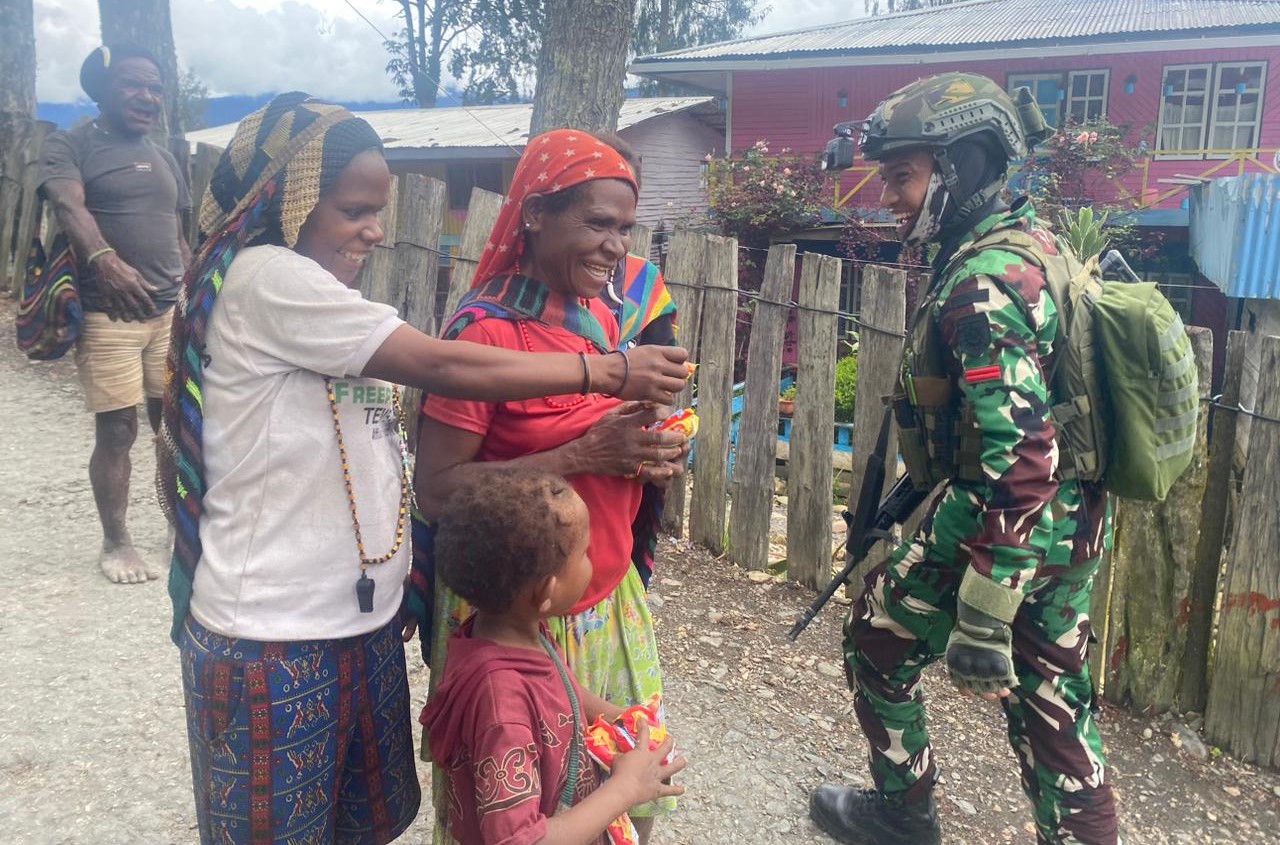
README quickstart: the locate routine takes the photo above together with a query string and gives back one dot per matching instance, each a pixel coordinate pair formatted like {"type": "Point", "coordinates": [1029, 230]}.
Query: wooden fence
{"type": "Point", "coordinates": [1182, 624]}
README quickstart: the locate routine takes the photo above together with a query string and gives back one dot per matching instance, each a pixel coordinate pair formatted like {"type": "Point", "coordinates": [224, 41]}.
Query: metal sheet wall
{"type": "Point", "coordinates": [1235, 234]}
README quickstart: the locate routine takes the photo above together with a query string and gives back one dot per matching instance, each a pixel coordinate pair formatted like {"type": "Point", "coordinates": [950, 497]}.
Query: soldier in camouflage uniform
{"type": "Point", "coordinates": [998, 577]}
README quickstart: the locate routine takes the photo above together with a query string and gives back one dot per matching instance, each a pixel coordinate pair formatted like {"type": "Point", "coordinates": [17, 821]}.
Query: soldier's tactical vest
{"type": "Point", "coordinates": [1122, 381]}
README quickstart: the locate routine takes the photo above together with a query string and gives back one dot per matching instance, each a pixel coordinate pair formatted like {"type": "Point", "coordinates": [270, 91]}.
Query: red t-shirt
{"type": "Point", "coordinates": [516, 429]}
{"type": "Point", "coordinates": [501, 726]}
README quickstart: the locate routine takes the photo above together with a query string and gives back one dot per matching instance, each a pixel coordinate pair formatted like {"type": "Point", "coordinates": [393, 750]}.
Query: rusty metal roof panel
{"type": "Point", "coordinates": [976, 23]}
{"type": "Point", "coordinates": [1235, 234]}
{"type": "Point", "coordinates": [497, 127]}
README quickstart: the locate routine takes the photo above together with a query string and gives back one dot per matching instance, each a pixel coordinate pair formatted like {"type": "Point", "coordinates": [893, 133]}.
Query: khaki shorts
{"type": "Point", "coordinates": [121, 363]}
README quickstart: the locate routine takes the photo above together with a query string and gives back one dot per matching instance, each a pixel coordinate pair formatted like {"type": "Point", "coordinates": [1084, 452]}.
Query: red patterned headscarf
{"type": "Point", "coordinates": [552, 162]}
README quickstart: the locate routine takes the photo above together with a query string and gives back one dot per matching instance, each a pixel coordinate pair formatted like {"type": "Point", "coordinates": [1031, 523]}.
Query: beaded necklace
{"type": "Point", "coordinates": [556, 403]}
{"type": "Point", "coordinates": [365, 584]}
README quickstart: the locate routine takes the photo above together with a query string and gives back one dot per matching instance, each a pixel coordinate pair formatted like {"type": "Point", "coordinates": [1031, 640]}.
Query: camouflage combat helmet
{"type": "Point", "coordinates": [940, 110]}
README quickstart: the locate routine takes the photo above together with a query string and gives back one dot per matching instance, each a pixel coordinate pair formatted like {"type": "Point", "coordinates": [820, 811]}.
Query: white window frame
{"type": "Point", "coordinates": [1105, 97]}
{"type": "Point", "coordinates": [1217, 89]}
{"type": "Point", "coordinates": [1016, 80]}
{"type": "Point", "coordinates": [1204, 121]}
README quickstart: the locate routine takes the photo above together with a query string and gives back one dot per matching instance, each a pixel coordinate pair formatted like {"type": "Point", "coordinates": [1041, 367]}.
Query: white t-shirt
{"type": "Point", "coordinates": [280, 560]}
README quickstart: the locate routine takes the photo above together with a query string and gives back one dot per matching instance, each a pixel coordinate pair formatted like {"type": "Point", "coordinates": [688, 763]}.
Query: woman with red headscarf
{"type": "Point", "coordinates": [564, 228]}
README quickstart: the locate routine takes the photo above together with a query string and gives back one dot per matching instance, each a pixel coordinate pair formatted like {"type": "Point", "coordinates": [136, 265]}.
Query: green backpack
{"type": "Point", "coordinates": [1124, 375]}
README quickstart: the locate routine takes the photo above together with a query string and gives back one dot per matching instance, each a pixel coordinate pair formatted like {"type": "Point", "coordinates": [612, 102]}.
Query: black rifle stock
{"type": "Point", "coordinates": [868, 523]}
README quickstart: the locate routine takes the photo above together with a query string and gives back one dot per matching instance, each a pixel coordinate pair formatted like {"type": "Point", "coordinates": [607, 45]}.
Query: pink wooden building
{"type": "Point", "coordinates": [1194, 79]}
{"type": "Point", "coordinates": [1197, 81]}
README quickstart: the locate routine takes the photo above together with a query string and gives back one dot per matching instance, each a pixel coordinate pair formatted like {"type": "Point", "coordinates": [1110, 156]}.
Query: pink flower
{"type": "Point", "coordinates": [1082, 138]}
{"type": "Point", "coordinates": [746, 168]}
{"type": "Point", "coordinates": [786, 171]}
{"type": "Point", "coordinates": [707, 157]}
{"type": "Point", "coordinates": [1093, 137]}
{"type": "Point", "coordinates": [764, 149]}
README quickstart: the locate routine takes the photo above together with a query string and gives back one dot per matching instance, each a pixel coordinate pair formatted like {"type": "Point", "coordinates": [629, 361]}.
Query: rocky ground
{"type": "Point", "coordinates": [93, 748]}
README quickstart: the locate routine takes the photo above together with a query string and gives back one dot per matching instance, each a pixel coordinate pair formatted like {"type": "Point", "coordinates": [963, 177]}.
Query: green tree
{"type": "Point", "coordinates": [493, 46]}
{"type": "Point", "coordinates": [888, 7]}
{"type": "Point", "coordinates": [665, 25]}
{"type": "Point", "coordinates": [193, 100]}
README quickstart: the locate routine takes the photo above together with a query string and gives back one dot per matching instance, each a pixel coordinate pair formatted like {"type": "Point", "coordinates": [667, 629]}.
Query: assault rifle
{"type": "Point", "coordinates": [868, 523]}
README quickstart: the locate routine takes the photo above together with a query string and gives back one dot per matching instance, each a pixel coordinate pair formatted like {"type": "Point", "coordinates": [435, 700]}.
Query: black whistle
{"type": "Point", "coordinates": [364, 593]}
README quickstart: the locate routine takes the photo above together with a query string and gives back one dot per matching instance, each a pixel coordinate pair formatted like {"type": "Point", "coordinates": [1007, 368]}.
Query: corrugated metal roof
{"type": "Point", "coordinates": [1235, 234]}
{"type": "Point", "coordinates": [497, 127]}
{"type": "Point", "coordinates": [987, 22]}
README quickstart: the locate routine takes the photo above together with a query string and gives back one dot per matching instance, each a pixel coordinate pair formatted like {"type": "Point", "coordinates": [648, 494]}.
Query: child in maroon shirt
{"type": "Point", "coordinates": [507, 720]}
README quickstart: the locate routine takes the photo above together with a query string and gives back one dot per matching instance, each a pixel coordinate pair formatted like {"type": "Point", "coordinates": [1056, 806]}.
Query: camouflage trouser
{"type": "Point", "coordinates": [901, 624]}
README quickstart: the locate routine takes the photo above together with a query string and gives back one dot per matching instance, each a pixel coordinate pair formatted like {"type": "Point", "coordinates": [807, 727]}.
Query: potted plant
{"type": "Point", "coordinates": [787, 402]}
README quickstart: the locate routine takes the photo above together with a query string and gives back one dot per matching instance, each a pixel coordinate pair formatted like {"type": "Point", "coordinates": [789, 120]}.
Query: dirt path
{"type": "Point", "coordinates": [94, 745]}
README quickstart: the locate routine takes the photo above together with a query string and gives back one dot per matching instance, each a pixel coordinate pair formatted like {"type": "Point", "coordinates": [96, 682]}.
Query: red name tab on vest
{"type": "Point", "coordinates": [981, 374]}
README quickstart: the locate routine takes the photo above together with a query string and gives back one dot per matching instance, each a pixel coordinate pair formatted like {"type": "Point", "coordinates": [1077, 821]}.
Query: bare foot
{"type": "Point", "coordinates": [123, 565]}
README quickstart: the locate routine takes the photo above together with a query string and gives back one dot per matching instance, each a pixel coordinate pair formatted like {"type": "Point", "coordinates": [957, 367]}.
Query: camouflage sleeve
{"type": "Point", "coordinates": [1000, 374]}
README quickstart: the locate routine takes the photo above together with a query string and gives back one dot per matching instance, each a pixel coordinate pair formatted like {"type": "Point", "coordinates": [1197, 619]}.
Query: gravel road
{"type": "Point", "coordinates": [94, 744]}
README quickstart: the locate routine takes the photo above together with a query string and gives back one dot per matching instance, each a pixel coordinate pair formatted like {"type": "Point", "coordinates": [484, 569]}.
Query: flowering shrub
{"type": "Point", "coordinates": [756, 197]}
{"type": "Point", "coordinates": [1075, 162]}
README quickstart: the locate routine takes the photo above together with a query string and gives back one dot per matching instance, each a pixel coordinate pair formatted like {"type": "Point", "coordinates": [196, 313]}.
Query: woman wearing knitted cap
{"type": "Point", "coordinates": [287, 475]}
{"type": "Point", "coordinates": [565, 226]}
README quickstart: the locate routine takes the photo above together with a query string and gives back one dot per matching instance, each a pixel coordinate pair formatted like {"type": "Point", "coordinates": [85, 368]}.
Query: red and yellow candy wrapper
{"type": "Point", "coordinates": [684, 422]}
{"type": "Point", "coordinates": [622, 832]}
{"type": "Point", "coordinates": [607, 739]}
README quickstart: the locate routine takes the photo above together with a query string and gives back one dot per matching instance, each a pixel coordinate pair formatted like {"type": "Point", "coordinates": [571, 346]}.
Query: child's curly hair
{"type": "Point", "coordinates": [500, 530]}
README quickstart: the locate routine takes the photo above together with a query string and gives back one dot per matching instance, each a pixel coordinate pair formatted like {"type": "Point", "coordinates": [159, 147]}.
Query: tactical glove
{"type": "Point", "coordinates": [980, 652]}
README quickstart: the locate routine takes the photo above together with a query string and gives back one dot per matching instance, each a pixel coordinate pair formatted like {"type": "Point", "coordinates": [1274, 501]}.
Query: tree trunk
{"type": "Point", "coordinates": [582, 64]}
{"type": "Point", "coordinates": [147, 24]}
{"type": "Point", "coordinates": [17, 111]}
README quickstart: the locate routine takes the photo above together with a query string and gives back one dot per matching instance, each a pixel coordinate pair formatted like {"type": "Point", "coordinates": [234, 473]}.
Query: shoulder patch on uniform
{"type": "Point", "coordinates": [973, 334]}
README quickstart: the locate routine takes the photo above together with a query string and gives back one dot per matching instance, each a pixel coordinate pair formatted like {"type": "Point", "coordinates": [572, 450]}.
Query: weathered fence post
{"type": "Point", "coordinates": [415, 265]}
{"type": "Point", "coordinates": [809, 485]}
{"type": "Point", "coordinates": [684, 273]}
{"type": "Point", "coordinates": [203, 161]}
{"type": "Point", "coordinates": [880, 339]}
{"type": "Point", "coordinates": [641, 240]}
{"type": "Point", "coordinates": [1243, 713]}
{"type": "Point", "coordinates": [754, 466]}
{"type": "Point", "coordinates": [482, 213]}
{"type": "Point", "coordinates": [715, 394]}
{"type": "Point", "coordinates": [1203, 590]}
{"type": "Point", "coordinates": [375, 276]}
{"type": "Point", "coordinates": [11, 170]}
{"type": "Point", "coordinates": [1152, 569]}
{"type": "Point", "coordinates": [28, 213]}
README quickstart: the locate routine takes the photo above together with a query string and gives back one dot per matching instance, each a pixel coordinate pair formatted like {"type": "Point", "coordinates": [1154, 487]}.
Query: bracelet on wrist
{"type": "Point", "coordinates": [626, 372]}
{"type": "Point", "coordinates": [98, 253]}
{"type": "Point", "coordinates": [586, 374]}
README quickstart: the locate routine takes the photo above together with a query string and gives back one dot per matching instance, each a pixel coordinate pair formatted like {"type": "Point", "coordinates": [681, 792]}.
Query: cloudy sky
{"type": "Point", "coordinates": [263, 46]}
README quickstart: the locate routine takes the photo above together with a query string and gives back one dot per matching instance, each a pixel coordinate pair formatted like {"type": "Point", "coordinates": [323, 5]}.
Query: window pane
{"type": "Point", "coordinates": [1198, 79]}
{"type": "Point", "coordinates": [1095, 109]}
{"type": "Point", "coordinates": [1096, 84]}
{"type": "Point", "coordinates": [1079, 86]}
{"type": "Point", "coordinates": [1248, 110]}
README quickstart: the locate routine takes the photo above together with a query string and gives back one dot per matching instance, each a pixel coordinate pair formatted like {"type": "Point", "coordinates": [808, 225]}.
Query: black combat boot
{"type": "Point", "coordinates": [866, 817]}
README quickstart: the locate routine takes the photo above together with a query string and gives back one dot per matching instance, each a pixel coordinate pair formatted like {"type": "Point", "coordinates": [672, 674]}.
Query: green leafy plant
{"type": "Point", "coordinates": [846, 388]}
{"type": "Point", "coordinates": [756, 196]}
{"type": "Point", "coordinates": [1085, 231]}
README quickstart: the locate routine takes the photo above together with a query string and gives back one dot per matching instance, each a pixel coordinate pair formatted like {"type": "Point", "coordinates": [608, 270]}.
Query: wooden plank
{"type": "Point", "coordinates": [415, 265]}
{"type": "Point", "coordinates": [809, 483]}
{"type": "Point", "coordinates": [482, 214]}
{"type": "Point", "coordinates": [707, 518]}
{"type": "Point", "coordinates": [683, 273]}
{"type": "Point", "coordinates": [753, 471]}
{"type": "Point", "coordinates": [30, 206]}
{"type": "Point", "coordinates": [374, 280]}
{"type": "Point", "coordinates": [1243, 712]}
{"type": "Point", "coordinates": [641, 240]}
{"type": "Point", "coordinates": [10, 196]}
{"type": "Point", "coordinates": [203, 162]}
{"type": "Point", "coordinates": [1151, 573]}
{"type": "Point", "coordinates": [1203, 590]}
{"type": "Point", "coordinates": [880, 340]}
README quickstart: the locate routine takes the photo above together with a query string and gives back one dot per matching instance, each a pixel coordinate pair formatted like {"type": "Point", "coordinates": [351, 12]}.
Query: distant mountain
{"type": "Point", "coordinates": [220, 110]}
